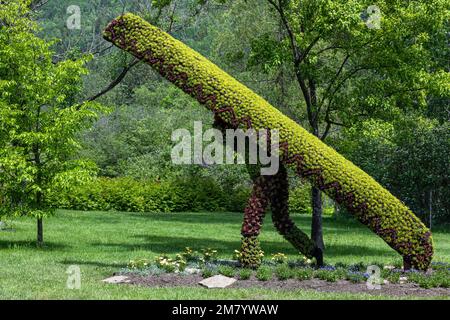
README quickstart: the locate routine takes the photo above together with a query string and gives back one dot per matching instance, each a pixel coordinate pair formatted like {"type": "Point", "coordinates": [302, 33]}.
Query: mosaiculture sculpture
{"type": "Point", "coordinates": [236, 106]}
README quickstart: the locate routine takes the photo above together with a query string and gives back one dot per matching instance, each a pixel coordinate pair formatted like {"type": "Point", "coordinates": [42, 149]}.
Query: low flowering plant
{"type": "Point", "coordinates": [279, 258]}
{"type": "Point", "coordinates": [208, 254]}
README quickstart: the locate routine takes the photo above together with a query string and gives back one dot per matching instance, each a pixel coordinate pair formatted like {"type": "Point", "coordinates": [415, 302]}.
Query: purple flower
{"type": "Point", "coordinates": [328, 268]}
{"type": "Point", "coordinates": [358, 273]}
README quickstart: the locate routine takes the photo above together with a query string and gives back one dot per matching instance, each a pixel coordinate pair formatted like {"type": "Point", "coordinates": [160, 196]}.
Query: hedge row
{"type": "Point", "coordinates": [237, 105]}
{"type": "Point", "coordinates": [182, 195]}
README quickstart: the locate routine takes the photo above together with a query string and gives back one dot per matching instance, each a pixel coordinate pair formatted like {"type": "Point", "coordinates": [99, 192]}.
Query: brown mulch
{"type": "Point", "coordinates": [407, 289]}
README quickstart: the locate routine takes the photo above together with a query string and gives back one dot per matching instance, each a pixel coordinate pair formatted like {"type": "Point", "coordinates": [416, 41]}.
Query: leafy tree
{"type": "Point", "coordinates": [410, 157]}
{"type": "Point", "coordinates": [348, 67]}
{"type": "Point", "coordinates": [39, 117]}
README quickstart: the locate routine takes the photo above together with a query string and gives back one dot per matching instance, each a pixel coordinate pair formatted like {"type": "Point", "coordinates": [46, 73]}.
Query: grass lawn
{"type": "Point", "coordinates": [103, 242]}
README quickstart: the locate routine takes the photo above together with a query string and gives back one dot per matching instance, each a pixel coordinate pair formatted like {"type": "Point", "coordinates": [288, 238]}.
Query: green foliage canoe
{"type": "Point", "coordinates": [238, 106]}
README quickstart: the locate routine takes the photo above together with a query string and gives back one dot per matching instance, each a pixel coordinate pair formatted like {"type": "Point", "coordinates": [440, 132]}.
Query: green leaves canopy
{"type": "Point", "coordinates": [39, 117]}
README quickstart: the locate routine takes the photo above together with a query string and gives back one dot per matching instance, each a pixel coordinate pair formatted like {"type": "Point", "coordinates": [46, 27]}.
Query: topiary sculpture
{"type": "Point", "coordinates": [234, 105]}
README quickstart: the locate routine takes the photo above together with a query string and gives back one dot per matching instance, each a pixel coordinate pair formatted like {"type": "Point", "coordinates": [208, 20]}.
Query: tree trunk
{"type": "Point", "coordinates": [316, 227]}
{"type": "Point", "coordinates": [40, 233]}
{"type": "Point", "coordinates": [37, 160]}
{"type": "Point", "coordinates": [316, 198]}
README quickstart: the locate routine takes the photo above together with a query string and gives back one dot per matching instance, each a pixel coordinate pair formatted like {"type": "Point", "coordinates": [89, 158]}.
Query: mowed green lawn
{"type": "Point", "coordinates": [101, 243]}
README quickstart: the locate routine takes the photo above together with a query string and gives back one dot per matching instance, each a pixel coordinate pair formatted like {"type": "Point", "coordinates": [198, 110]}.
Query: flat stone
{"type": "Point", "coordinates": [389, 268]}
{"type": "Point", "coordinates": [117, 279]}
{"type": "Point", "coordinates": [403, 280]}
{"type": "Point", "coordinates": [217, 282]}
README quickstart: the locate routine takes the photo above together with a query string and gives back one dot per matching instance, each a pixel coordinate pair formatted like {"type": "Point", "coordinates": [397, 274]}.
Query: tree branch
{"type": "Point", "coordinates": [298, 58]}
{"type": "Point", "coordinates": [115, 82]}
{"type": "Point", "coordinates": [326, 132]}
{"type": "Point", "coordinates": [329, 123]}
{"type": "Point", "coordinates": [309, 48]}
{"type": "Point", "coordinates": [328, 48]}
{"type": "Point", "coordinates": [295, 49]}
{"type": "Point", "coordinates": [333, 80]}
{"type": "Point", "coordinates": [36, 5]}
{"type": "Point", "coordinates": [172, 17]}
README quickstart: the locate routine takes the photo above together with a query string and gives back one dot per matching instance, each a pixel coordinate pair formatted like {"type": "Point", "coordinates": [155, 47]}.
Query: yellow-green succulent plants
{"type": "Point", "coordinates": [238, 106]}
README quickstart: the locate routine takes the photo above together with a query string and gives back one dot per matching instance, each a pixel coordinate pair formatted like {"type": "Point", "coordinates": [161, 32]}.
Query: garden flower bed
{"type": "Point", "coordinates": [189, 268]}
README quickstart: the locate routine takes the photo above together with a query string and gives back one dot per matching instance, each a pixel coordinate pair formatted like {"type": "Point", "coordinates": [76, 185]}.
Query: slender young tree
{"type": "Point", "coordinates": [39, 118]}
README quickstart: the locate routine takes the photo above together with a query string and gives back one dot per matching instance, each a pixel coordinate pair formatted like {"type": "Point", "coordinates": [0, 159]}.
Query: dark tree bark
{"type": "Point", "coordinates": [316, 227]}
{"type": "Point", "coordinates": [316, 195]}
{"type": "Point", "coordinates": [40, 224]}
{"type": "Point", "coordinates": [39, 195]}
{"type": "Point", "coordinates": [40, 232]}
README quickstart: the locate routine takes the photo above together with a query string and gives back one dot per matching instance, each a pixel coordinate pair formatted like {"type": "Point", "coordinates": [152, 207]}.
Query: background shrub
{"type": "Point", "coordinates": [181, 194]}
{"type": "Point", "coordinates": [300, 200]}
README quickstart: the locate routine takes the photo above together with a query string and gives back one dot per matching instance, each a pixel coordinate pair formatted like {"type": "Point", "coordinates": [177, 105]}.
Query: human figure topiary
{"type": "Point", "coordinates": [239, 107]}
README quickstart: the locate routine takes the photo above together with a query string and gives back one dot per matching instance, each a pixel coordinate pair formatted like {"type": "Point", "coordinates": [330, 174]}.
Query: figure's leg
{"type": "Point", "coordinates": [274, 190]}
{"type": "Point", "coordinates": [250, 253]}
{"type": "Point", "coordinates": [284, 224]}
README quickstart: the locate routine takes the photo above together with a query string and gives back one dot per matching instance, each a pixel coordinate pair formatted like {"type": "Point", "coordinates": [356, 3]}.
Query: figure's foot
{"type": "Point", "coordinates": [251, 254]}
{"type": "Point", "coordinates": [318, 254]}
{"type": "Point", "coordinates": [407, 265]}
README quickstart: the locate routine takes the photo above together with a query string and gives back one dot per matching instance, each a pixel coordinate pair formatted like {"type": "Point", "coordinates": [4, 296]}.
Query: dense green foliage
{"type": "Point", "coordinates": [126, 194]}
{"type": "Point", "coordinates": [184, 194]}
{"type": "Point", "coordinates": [410, 157]}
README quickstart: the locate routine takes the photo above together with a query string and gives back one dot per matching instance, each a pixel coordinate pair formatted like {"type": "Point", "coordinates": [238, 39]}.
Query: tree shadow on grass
{"type": "Point", "coordinates": [196, 218]}
{"type": "Point", "coordinates": [173, 244]}
{"type": "Point", "coordinates": [23, 244]}
{"type": "Point", "coordinates": [93, 263]}
{"type": "Point", "coordinates": [223, 218]}
{"type": "Point", "coordinates": [114, 217]}
{"type": "Point", "coordinates": [444, 229]}
{"type": "Point", "coordinates": [336, 250]}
